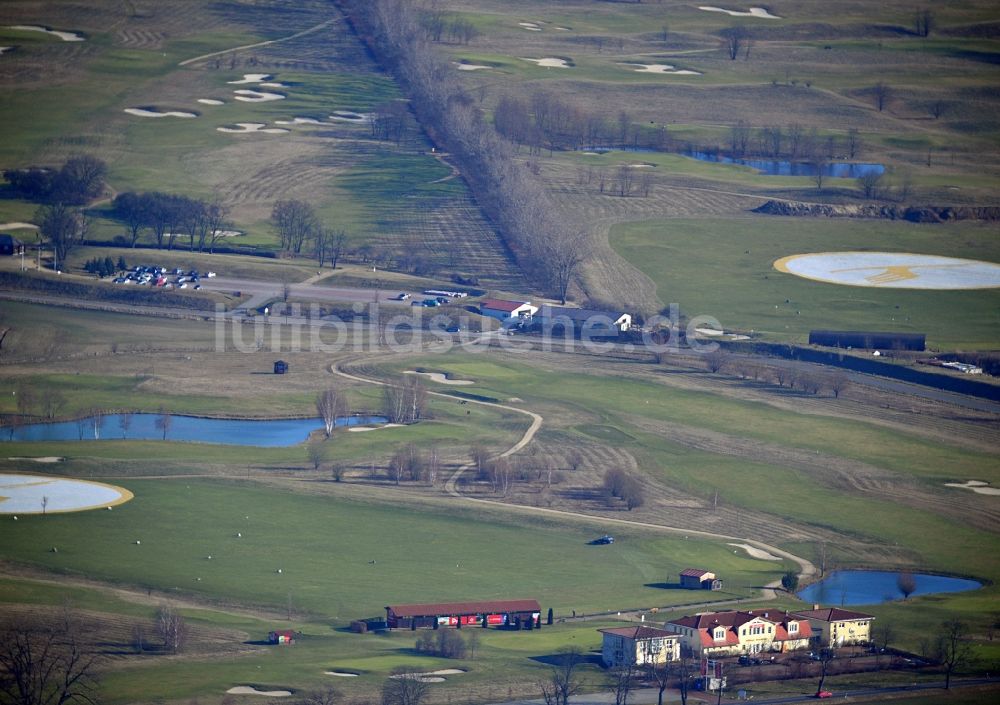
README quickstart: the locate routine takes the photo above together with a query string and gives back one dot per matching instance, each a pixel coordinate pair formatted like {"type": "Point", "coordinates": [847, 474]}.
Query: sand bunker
{"type": "Point", "coordinates": [641, 166]}
{"type": "Point", "coordinates": [43, 459]}
{"type": "Point", "coordinates": [348, 116]}
{"type": "Point", "coordinates": [472, 67]}
{"type": "Point", "coordinates": [977, 486]}
{"type": "Point", "coordinates": [432, 676]}
{"type": "Point", "coordinates": [24, 494]}
{"type": "Point", "coordinates": [270, 84]}
{"type": "Point", "coordinates": [250, 690]}
{"type": "Point", "coordinates": [752, 12]}
{"type": "Point", "coordinates": [895, 270]}
{"type": "Point", "coordinates": [755, 552]}
{"type": "Point", "coordinates": [438, 377]}
{"type": "Point", "coordinates": [18, 226]}
{"type": "Point", "coordinates": [249, 96]}
{"type": "Point", "coordinates": [150, 113]}
{"type": "Point", "coordinates": [362, 429]}
{"type": "Point", "coordinates": [530, 26]}
{"type": "Point", "coordinates": [211, 101]}
{"type": "Point", "coordinates": [341, 674]}
{"type": "Point", "coordinates": [549, 62]}
{"type": "Point", "coordinates": [300, 121]}
{"type": "Point", "coordinates": [247, 127]}
{"type": "Point", "coordinates": [65, 36]}
{"type": "Point", "coordinates": [664, 69]}
{"type": "Point", "coordinates": [251, 78]}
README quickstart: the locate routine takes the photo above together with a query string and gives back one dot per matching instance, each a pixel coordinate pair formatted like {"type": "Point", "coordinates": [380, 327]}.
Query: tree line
{"type": "Point", "coordinates": [548, 247]}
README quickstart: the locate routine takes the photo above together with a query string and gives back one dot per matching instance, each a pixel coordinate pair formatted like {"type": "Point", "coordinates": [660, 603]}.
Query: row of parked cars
{"type": "Point", "coordinates": [160, 276]}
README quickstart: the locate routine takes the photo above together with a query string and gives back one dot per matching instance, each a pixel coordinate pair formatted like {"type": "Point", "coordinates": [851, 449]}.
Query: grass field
{"type": "Point", "coordinates": [723, 268]}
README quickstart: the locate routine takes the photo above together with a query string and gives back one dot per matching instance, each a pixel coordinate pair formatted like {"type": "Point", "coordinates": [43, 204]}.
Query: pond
{"type": "Point", "coordinates": [144, 427]}
{"type": "Point", "coordinates": [782, 167]}
{"type": "Point", "coordinates": [869, 587]}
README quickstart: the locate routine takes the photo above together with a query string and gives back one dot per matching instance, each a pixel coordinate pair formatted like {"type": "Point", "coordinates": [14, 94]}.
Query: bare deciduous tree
{"type": "Point", "coordinates": [563, 681]}
{"type": "Point", "coordinates": [64, 227]}
{"type": "Point", "coordinates": [163, 422]}
{"type": "Point", "coordinates": [906, 583]}
{"type": "Point", "coordinates": [564, 254]}
{"type": "Point", "coordinates": [923, 23]}
{"type": "Point", "coordinates": [46, 666]}
{"type": "Point", "coordinates": [881, 94]}
{"type": "Point", "coordinates": [734, 40]}
{"type": "Point", "coordinates": [317, 451]}
{"type": "Point", "coordinates": [330, 404]}
{"type": "Point", "coordinates": [171, 628]}
{"type": "Point", "coordinates": [404, 688]}
{"type": "Point", "coordinates": [295, 221]}
{"type": "Point", "coordinates": [953, 649]}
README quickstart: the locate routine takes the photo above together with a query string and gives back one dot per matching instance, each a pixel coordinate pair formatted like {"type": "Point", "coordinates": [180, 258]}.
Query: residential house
{"type": "Point", "coordinates": [834, 626]}
{"type": "Point", "coordinates": [638, 646]}
{"type": "Point", "coordinates": [698, 579]}
{"type": "Point", "coordinates": [735, 633]}
{"type": "Point", "coordinates": [507, 311]}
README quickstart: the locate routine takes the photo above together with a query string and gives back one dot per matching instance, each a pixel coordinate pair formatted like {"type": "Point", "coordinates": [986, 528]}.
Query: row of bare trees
{"type": "Point", "coordinates": [622, 485]}
{"type": "Point", "coordinates": [167, 217]}
{"type": "Point", "coordinates": [546, 246]}
{"type": "Point", "coordinates": [793, 142]}
{"type": "Point", "coordinates": [298, 226]}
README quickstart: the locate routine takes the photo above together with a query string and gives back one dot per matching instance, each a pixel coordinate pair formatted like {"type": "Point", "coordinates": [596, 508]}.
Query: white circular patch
{"type": "Point", "coordinates": [37, 494]}
{"type": "Point", "coordinates": [894, 270]}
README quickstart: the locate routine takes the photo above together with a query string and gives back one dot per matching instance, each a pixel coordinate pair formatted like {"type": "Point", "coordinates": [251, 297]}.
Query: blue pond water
{"type": "Point", "coordinates": [781, 167]}
{"type": "Point", "coordinates": [240, 432]}
{"type": "Point", "coordinates": [870, 587]}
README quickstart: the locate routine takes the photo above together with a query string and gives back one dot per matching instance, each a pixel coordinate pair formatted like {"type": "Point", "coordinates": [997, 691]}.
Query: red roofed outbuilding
{"type": "Point", "coordinates": [505, 310]}
{"type": "Point", "coordinates": [638, 646]}
{"type": "Point", "coordinates": [495, 613]}
{"type": "Point", "coordinates": [281, 636]}
{"type": "Point", "coordinates": [698, 579]}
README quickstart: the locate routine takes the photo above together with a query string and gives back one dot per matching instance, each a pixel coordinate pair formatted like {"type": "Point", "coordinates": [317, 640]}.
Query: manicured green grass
{"type": "Point", "coordinates": [325, 548]}
{"type": "Point", "coordinates": [723, 268]}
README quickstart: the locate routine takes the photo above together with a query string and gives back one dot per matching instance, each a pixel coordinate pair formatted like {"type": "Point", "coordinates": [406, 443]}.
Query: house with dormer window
{"type": "Point", "coordinates": [735, 633]}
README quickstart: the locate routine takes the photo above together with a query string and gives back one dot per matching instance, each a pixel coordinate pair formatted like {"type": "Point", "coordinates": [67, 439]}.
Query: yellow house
{"type": "Point", "coordinates": [736, 633]}
{"type": "Point", "coordinates": [638, 646]}
{"type": "Point", "coordinates": [833, 626]}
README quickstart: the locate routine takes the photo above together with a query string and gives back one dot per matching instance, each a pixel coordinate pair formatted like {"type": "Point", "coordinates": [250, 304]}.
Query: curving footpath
{"type": "Point", "coordinates": [806, 568]}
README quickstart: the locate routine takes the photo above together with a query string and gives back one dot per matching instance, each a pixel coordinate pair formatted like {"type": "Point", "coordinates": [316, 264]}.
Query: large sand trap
{"type": "Point", "coordinates": [147, 112]}
{"type": "Point", "coordinates": [42, 459]}
{"type": "Point", "coordinates": [348, 116]}
{"type": "Point", "coordinates": [664, 69]}
{"type": "Point", "coordinates": [23, 494]}
{"type": "Point", "coordinates": [438, 377]}
{"type": "Point", "coordinates": [472, 67]}
{"type": "Point", "coordinates": [362, 429]}
{"type": "Point", "coordinates": [247, 127]}
{"type": "Point", "coordinates": [300, 121]}
{"type": "Point", "coordinates": [755, 552]}
{"type": "Point", "coordinates": [432, 676]}
{"type": "Point", "coordinates": [752, 12]}
{"type": "Point", "coordinates": [211, 101]}
{"type": "Point", "coordinates": [18, 226]}
{"type": "Point", "coordinates": [251, 78]}
{"type": "Point", "coordinates": [341, 674]}
{"type": "Point", "coordinates": [530, 26]}
{"type": "Point", "coordinates": [895, 270]}
{"type": "Point", "coordinates": [249, 96]}
{"type": "Point", "coordinates": [250, 690]}
{"type": "Point", "coordinates": [65, 36]}
{"type": "Point", "coordinates": [549, 62]}
{"type": "Point", "coordinates": [977, 486]}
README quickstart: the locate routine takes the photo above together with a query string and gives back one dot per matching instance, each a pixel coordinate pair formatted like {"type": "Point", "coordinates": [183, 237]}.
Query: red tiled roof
{"type": "Point", "coordinates": [639, 633]}
{"type": "Point", "coordinates": [694, 572]}
{"type": "Point", "coordinates": [288, 633]}
{"type": "Point", "coordinates": [458, 608]}
{"type": "Point", "coordinates": [501, 304]}
{"type": "Point", "coordinates": [706, 623]}
{"type": "Point", "coordinates": [832, 614]}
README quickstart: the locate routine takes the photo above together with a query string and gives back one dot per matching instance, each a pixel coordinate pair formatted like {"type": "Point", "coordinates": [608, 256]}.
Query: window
{"type": "Point", "coordinates": [720, 634]}
{"type": "Point", "coordinates": [793, 627]}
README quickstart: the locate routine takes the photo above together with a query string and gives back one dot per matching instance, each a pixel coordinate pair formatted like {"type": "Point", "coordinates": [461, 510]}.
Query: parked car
{"type": "Point", "coordinates": [824, 694]}
{"type": "Point", "coordinates": [453, 329]}
{"type": "Point", "coordinates": [402, 297]}
{"type": "Point", "coordinates": [431, 303]}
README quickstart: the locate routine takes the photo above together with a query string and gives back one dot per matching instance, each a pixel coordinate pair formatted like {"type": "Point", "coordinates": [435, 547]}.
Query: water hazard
{"type": "Point", "coordinates": [870, 587]}
{"type": "Point", "coordinates": [196, 429]}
